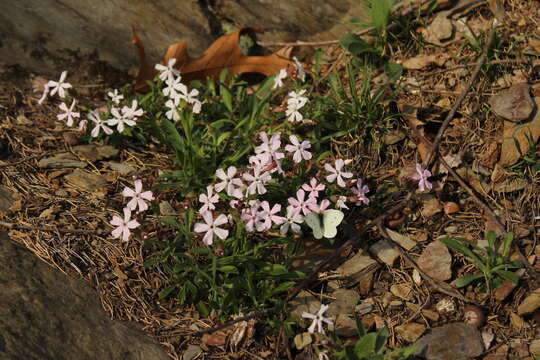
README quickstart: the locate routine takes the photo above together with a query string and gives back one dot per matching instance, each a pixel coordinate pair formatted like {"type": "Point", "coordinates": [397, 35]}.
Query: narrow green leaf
{"type": "Point", "coordinates": [466, 280]}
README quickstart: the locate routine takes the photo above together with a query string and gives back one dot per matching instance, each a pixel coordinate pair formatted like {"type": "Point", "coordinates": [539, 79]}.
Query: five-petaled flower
{"type": "Point", "coordinates": [422, 176]}
{"type": "Point", "coordinates": [299, 149]}
{"type": "Point", "coordinates": [68, 113]}
{"type": "Point", "coordinates": [313, 187]}
{"type": "Point", "coordinates": [229, 182]}
{"type": "Point", "coordinates": [124, 225]}
{"type": "Point", "coordinates": [138, 197]}
{"type": "Point", "coordinates": [267, 216]}
{"type": "Point", "coordinates": [360, 192]}
{"type": "Point", "coordinates": [300, 203]}
{"type": "Point", "coordinates": [115, 96]}
{"type": "Point", "coordinates": [337, 173]}
{"type": "Point", "coordinates": [318, 320]}
{"type": "Point", "coordinates": [257, 181]}
{"type": "Point", "coordinates": [278, 80]}
{"type": "Point", "coordinates": [208, 200]}
{"type": "Point", "coordinates": [294, 103]}
{"type": "Point", "coordinates": [167, 73]}
{"type": "Point", "coordinates": [59, 87]}
{"type": "Point", "coordinates": [100, 124]}
{"type": "Point", "coordinates": [211, 227]}
{"type": "Point", "coordinates": [120, 119]}
{"type": "Point", "coordinates": [292, 221]}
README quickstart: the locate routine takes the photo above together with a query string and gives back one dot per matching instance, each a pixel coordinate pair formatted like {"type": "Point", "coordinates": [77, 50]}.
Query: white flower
{"type": "Point", "coordinates": [208, 200]}
{"type": "Point", "coordinates": [82, 125]}
{"type": "Point", "coordinates": [250, 215]}
{"type": "Point", "coordinates": [132, 112]}
{"type": "Point", "coordinates": [300, 73]}
{"type": "Point", "coordinates": [318, 320]}
{"type": "Point", "coordinates": [115, 96]}
{"type": "Point", "coordinates": [68, 113]}
{"type": "Point", "coordinates": [212, 228]}
{"type": "Point", "coordinates": [138, 197]}
{"type": "Point", "coordinates": [294, 103]}
{"type": "Point", "coordinates": [59, 86]}
{"type": "Point", "coordinates": [337, 173]}
{"type": "Point", "coordinates": [173, 113]}
{"type": "Point", "coordinates": [257, 181]}
{"type": "Point", "coordinates": [229, 182]}
{"type": "Point", "coordinates": [268, 151]}
{"type": "Point", "coordinates": [100, 124]}
{"type": "Point", "coordinates": [173, 87]}
{"type": "Point", "coordinates": [124, 225]}
{"type": "Point", "coordinates": [278, 81]}
{"type": "Point", "coordinates": [314, 187]}
{"type": "Point", "coordinates": [341, 202]}
{"type": "Point", "coordinates": [292, 220]}
{"type": "Point", "coordinates": [268, 216]}
{"type": "Point", "coordinates": [167, 72]}
{"type": "Point", "coordinates": [119, 120]}
{"type": "Point", "coordinates": [299, 149]}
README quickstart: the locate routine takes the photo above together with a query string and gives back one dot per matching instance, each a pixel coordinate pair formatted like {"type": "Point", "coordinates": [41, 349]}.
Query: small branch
{"type": "Point", "coordinates": [462, 96]}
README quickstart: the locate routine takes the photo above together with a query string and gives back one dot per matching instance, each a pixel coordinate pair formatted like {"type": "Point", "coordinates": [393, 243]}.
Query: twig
{"type": "Point", "coordinates": [457, 104]}
{"type": "Point", "coordinates": [38, 228]}
{"type": "Point", "coordinates": [457, 67]}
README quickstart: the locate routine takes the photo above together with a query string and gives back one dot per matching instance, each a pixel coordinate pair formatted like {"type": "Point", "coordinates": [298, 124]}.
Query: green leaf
{"type": "Point", "coordinates": [466, 280]}
{"type": "Point", "coordinates": [282, 287]}
{"type": "Point", "coordinates": [507, 275]}
{"type": "Point", "coordinates": [366, 345]}
{"type": "Point", "coordinates": [380, 342]}
{"type": "Point", "coordinates": [393, 71]}
{"type": "Point", "coordinates": [228, 269]}
{"type": "Point", "coordinates": [165, 292]}
{"type": "Point", "coordinates": [171, 221]}
{"type": "Point", "coordinates": [457, 245]}
{"type": "Point", "coordinates": [355, 45]}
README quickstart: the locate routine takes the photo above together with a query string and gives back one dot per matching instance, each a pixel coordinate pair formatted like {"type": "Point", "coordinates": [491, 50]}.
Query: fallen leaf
{"type": "Point", "coordinates": [224, 53]}
{"type": "Point", "coordinates": [422, 61]}
{"type": "Point", "coordinates": [217, 338]}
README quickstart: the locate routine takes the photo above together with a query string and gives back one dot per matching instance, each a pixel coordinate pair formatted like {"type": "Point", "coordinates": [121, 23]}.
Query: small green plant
{"type": "Point", "coordinates": [493, 261]}
{"type": "Point", "coordinates": [372, 346]}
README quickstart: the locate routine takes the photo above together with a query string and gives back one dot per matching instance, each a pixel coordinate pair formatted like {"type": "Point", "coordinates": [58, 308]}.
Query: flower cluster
{"type": "Point", "coordinates": [176, 91]}
{"type": "Point", "coordinates": [244, 188]}
{"type": "Point", "coordinates": [294, 103]}
{"type": "Point", "coordinates": [138, 200]}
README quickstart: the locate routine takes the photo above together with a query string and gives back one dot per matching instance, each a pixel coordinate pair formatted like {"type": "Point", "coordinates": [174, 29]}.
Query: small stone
{"type": "Point", "coordinates": [530, 303]}
{"type": "Point", "coordinates": [514, 104]}
{"type": "Point", "coordinates": [411, 331]}
{"type": "Point", "coordinates": [385, 252]}
{"type": "Point", "coordinates": [166, 209]}
{"type": "Point", "coordinates": [95, 152]}
{"type": "Point", "coordinates": [402, 291]}
{"type": "Point", "coordinates": [354, 268]}
{"type": "Point", "coordinates": [436, 261]}
{"type": "Point", "coordinates": [517, 321]}
{"type": "Point", "coordinates": [450, 342]}
{"type": "Point", "coordinates": [64, 160]}
{"type": "Point", "coordinates": [191, 352]}
{"type": "Point", "coordinates": [393, 137]}
{"type": "Point", "coordinates": [416, 277]}
{"type": "Point", "coordinates": [440, 29]}
{"type": "Point", "coordinates": [121, 168]}
{"type": "Point", "coordinates": [345, 302]}
{"type": "Point", "coordinates": [431, 207]}
{"type": "Point", "coordinates": [363, 308]}
{"type": "Point", "coordinates": [534, 348]}
{"type": "Point", "coordinates": [445, 306]}
{"type": "Point", "coordinates": [85, 180]}
{"type": "Point", "coordinates": [452, 229]}
{"type": "Point", "coordinates": [302, 340]}
{"type": "Point", "coordinates": [506, 287]}
{"type": "Point", "coordinates": [451, 208]}
{"type": "Point", "coordinates": [419, 62]}
{"type": "Point", "coordinates": [344, 326]}
{"type": "Point", "coordinates": [474, 316]}
{"type": "Point", "coordinates": [403, 240]}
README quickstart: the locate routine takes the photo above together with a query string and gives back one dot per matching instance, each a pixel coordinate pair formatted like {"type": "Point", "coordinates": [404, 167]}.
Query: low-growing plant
{"type": "Point", "coordinates": [493, 261]}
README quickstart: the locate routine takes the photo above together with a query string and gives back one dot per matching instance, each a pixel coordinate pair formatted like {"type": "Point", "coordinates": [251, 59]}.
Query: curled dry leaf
{"type": "Point", "coordinates": [224, 53]}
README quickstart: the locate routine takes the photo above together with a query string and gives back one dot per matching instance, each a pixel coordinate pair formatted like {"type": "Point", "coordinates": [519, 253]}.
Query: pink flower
{"type": "Point", "coordinates": [257, 181]}
{"type": "Point", "coordinates": [124, 225]}
{"type": "Point", "coordinates": [250, 215]}
{"type": "Point", "coordinates": [138, 196]}
{"type": "Point", "coordinates": [68, 113]}
{"type": "Point", "coordinates": [360, 192]}
{"type": "Point", "coordinates": [268, 216]}
{"type": "Point", "coordinates": [299, 149]}
{"type": "Point", "coordinates": [268, 150]}
{"type": "Point", "coordinates": [212, 228]}
{"type": "Point", "coordinates": [313, 187]}
{"type": "Point", "coordinates": [422, 176]}
{"type": "Point", "coordinates": [229, 182]}
{"type": "Point", "coordinates": [337, 173]}
{"type": "Point", "coordinates": [300, 203]}
{"type": "Point", "coordinates": [292, 221]}
{"type": "Point", "coordinates": [208, 200]}
{"type": "Point", "coordinates": [318, 208]}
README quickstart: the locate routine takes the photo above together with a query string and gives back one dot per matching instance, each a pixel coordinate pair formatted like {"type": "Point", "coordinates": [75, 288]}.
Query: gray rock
{"type": "Point", "coordinates": [514, 104]}
{"type": "Point", "coordinates": [121, 168]}
{"type": "Point", "coordinates": [436, 261]}
{"type": "Point", "coordinates": [85, 180]}
{"type": "Point", "coordinates": [451, 342]}
{"type": "Point", "coordinates": [40, 34]}
{"type": "Point", "coordinates": [345, 302]}
{"type": "Point", "coordinates": [410, 331]}
{"type": "Point", "coordinates": [60, 161]}
{"type": "Point", "coordinates": [46, 315]}
{"type": "Point", "coordinates": [385, 252]}
{"type": "Point", "coordinates": [440, 29]}
{"type": "Point", "coordinates": [354, 268]}
{"type": "Point", "coordinates": [95, 152]}
{"type": "Point", "coordinates": [191, 352]}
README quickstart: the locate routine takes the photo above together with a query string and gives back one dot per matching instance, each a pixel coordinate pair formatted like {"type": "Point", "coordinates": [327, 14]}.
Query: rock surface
{"type": "Point", "coordinates": [514, 104]}
{"type": "Point", "coordinates": [451, 342]}
{"type": "Point", "coordinates": [41, 35]}
{"type": "Point", "coordinates": [530, 303]}
{"type": "Point", "coordinates": [436, 261]}
{"type": "Point", "coordinates": [47, 315]}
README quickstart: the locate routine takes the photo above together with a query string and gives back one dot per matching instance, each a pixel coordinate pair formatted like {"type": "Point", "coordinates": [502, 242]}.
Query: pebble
{"type": "Point", "coordinates": [436, 261]}
{"type": "Point", "coordinates": [450, 342]}
{"type": "Point", "coordinates": [85, 180]}
{"type": "Point", "coordinates": [345, 302]}
{"type": "Point", "coordinates": [354, 268]}
{"type": "Point", "coordinates": [411, 331]}
{"type": "Point", "coordinates": [530, 303]}
{"type": "Point", "coordinates": [385, 252]}
{"type": "Point", "coordinates": [405, 241]}
{"type": "Point", "coordinates": [440, 29]}
{"type": "Point", "coordinates": [402, 291]}
{"type": "Point", "coordinates": [514, 104]}
{"type": "Point", "coordinates": [6, 198]}
{"type": "Point", "coordinates": [191, 352]}
{"type": "Point", "coordinates": [431, 207]}
{"type": "Point", "coordinates": [445, 306]}
{"type": "Point", "coordinates": [121, 168]}
{"type": "Point", "coordinates": [59, 161]}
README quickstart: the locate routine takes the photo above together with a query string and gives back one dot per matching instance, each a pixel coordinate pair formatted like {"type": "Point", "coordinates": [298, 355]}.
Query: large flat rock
{"type": "Point", "coordinates": [47, 35]}
{"type": "Point", "coordinates": [46, 315]}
